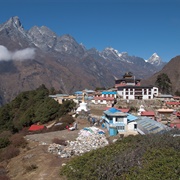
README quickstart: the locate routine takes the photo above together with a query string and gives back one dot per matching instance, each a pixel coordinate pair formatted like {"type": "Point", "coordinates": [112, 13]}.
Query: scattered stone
{"type": "Point", "coordinates": [89, 138]}
{"type": "Point", "coordinates": [28, 156]}
{"type": "Point", "coordinates": [42, 143]}
{"type": "Point", "coordinates": [114, 140]}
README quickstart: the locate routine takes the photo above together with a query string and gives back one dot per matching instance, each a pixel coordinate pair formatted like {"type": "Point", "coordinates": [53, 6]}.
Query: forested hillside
{"type": "Point", "coordinates": [31, 107]}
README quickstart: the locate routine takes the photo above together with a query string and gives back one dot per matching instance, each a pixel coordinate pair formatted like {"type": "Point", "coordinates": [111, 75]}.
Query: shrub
{"type": "Point", "coordinates": [5, 134]}
{"type": "Point", "coordinates": [17, 140]}
{"type": "Point", "coordinates": [2, 170]}
{"type": "Point", "coordinates": [4, 142]}
{"type": "Point", "coordinates": [10, 152]}
{"type": "Point", "coordinates": [133, 157]}
{"type": "Point", "coordinates": [3, 173]}
{"type": "Point", "coordinates": [4, 177]}
{"type": "Point", "coordinates": [67, 119]}
{"type": "Point", "coordinates": [31, 167]}
{"type": "Point", "coordinates": [59, 141]}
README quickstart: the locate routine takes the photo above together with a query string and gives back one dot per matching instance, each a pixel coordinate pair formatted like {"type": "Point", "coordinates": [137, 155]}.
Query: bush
{"type": "Point", "coordinates": [9, 152]}
{"type": "Point", "coordinates": [67, 119]}
{"type": "Point", "coordinates": [4, 142]}
{"type": "Point", "coordinates": [59, 141]}
{"type": "Point", "coordinates": [6, 134]}
{"type": "Point", "coordinates": [17, 140]}
{"type": "Point", "coordinates": [4, 177]}
{"type": "Point", "coordinates": [3, 173]}
{"type": "Point", "coordinates": [133, 157]}
{"type": "Point", "coordinates": [31, 167]}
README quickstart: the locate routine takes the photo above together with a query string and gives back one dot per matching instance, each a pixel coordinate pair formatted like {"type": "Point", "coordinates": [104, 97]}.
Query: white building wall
{"type": "Point", "coordinates": [155, 91]}
{"type": "Point", "coordinates": [124, 120]}
{"type": "Point", "coordinates": [148, 95]}
{"type": "Point", "coordinates": [130, 125]}
{"type": "Point", "coordinates": [99, 101]}
{"type": "Point", "coordinates": [145, 97]}
{"type": "Point", "coordinates": [131, 97]}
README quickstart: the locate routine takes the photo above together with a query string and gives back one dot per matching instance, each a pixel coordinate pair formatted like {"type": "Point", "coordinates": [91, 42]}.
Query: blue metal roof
{"type": "Point", "coordinates": [131, 117]}
{"type": "Point", "coordinates": [78, 92]}
{"type": "Point", "coordinates": [109, 92]}
{"type": "Point", "coordinates": [113, 110]}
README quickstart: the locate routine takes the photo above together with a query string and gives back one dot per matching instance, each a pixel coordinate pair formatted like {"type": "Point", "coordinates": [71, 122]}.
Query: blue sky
{"type": "Point", "coordinates": [139, 27]}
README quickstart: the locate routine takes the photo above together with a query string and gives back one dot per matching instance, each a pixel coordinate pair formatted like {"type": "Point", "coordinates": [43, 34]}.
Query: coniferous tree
{"type": "Point", "coordinates": [164, 83]}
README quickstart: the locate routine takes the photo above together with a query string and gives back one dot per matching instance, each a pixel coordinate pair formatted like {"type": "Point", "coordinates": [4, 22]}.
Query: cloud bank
{"type": "Point", "coordinates": [19, 55]}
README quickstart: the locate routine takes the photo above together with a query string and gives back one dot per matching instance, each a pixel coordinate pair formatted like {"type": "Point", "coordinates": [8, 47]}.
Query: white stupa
{"type": "Point", "coordinates": [82, 106]}
{"type": "Point", "coordinates": [141, 109]}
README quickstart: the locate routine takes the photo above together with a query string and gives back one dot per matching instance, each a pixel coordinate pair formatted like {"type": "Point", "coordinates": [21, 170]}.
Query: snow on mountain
{"type": "Point", "coordinates": [62, 57]}
{"type": "Point", "coordinates": [110, 53]}
{"type": "Point", "coordinates": [155, 60]}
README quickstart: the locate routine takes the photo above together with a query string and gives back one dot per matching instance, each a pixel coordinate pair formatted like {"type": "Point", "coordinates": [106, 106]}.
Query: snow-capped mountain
{"type": "Point", "coordinates": [155, 60]}
{"type": "Point", "coordinates": [59, 62]}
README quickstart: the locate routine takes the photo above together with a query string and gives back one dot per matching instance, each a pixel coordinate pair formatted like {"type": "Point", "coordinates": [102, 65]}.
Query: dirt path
{"type": "Point", "coordinates": [35, 162]}
{"type": "Point", "coordinates": [63, 134]}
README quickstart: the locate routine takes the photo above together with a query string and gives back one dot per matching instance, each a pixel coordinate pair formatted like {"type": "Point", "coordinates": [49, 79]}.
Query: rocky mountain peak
{"type": "Point", "coordinates": [67, 44]}
{"type": "Point", "coordinates": [13, 22]}
{"type": "Point", "coordinates": [42, 37]}
{"type": "Point", "coordinates": [110, 53]}
{"type": "Point", "coordinates": [155, 60]}
{"type": "Point", "coordinates": [60, 62]}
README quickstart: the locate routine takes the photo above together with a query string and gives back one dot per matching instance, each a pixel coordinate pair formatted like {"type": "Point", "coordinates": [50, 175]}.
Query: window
{"type": "Point", "coordinates": [145, 92]}
{"type": "Point", "coordinates": [120, 128]}
{"type": "Point", "coordinates": [109, 117]}
{"type": "Point", "coordinates": [119, 119]}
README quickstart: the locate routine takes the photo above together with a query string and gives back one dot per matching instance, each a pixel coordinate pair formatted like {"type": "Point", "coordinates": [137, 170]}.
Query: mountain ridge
{"type": "Point", "coordinates": [59, 62]}
{"type": "Point", "coordinates": [173, 72]}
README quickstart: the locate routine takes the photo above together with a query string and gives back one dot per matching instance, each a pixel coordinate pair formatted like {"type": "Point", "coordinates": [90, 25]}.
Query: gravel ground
{"type": "Point", "coordinates": [63, 134]}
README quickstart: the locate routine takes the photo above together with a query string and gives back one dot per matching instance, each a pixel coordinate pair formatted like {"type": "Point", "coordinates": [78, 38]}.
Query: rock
{"type": "Point", "coordinates": [88, 139]}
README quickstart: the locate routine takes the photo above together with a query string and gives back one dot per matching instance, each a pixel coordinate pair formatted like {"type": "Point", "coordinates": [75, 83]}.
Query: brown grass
{"type": "Point", "coordinates": [17, 140]}
{"type": "Point", "coordinates": [9, 152]}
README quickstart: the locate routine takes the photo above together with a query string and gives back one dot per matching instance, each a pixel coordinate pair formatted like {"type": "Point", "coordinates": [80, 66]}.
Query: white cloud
{"type": "Point", "coordinates": [19, 55]}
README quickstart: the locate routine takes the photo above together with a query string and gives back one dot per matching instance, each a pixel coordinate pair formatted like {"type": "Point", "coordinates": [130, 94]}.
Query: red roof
{"type": "Point", "coordinates": [35, 127]}
{"type": "Point", "coordinates": [175, 125]}
{"type": "Point", "coordinates": [147, 113]}
{"type": "Point", "coordinates": [176, 97]}
{"type": "Point", "coordinates": [178, 114]}
{"type": "Point", "coordinates": [173, 103]}
{"type": "Point", "coordinates": [176, 121]}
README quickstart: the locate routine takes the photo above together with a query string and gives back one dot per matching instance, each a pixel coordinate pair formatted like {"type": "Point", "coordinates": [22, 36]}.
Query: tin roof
{"type": "Point", "coordinates": [114, 112]}
{"type": "Point", "coordinates": [109, 92]}
{"type": "Point", "coordinates": [147, 125]}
